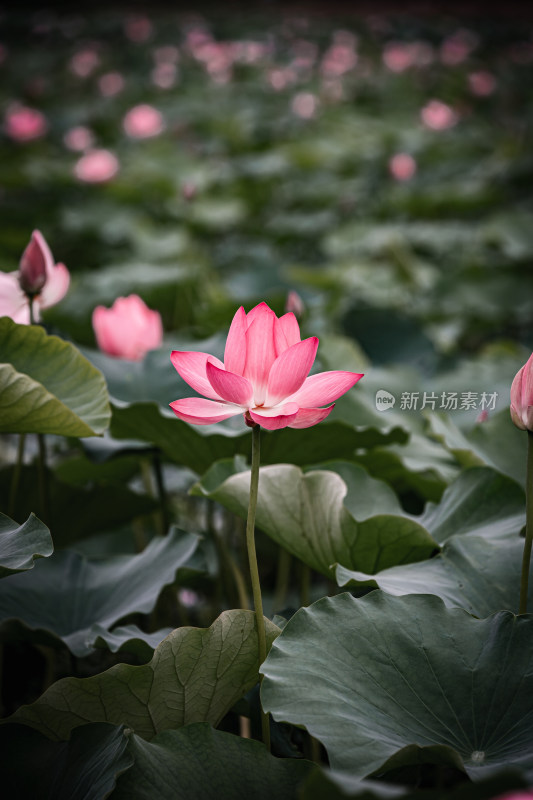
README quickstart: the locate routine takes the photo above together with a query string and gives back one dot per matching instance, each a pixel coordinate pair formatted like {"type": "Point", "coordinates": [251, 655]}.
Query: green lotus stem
{"type": "Point", "coordinates": [15, 480]}
{"type": "Point", "coordinates": [529, 526]}
{"type": "Point", "coordinates": [254, 572]}
{"type": "Point", "coordinates": [32, 315]}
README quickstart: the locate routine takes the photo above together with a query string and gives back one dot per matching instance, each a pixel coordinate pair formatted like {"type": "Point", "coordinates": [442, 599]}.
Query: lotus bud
{"type": "Point", "coordinates": [32, 273]}
{"type": "Point", "coordinates": [522, 397]}
{"type": "Point", "coordinates": [295, 304]}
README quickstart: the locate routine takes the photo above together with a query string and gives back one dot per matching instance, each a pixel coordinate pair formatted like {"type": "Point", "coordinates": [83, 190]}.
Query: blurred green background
{"type": "Point", "coordinates": [378, 163]}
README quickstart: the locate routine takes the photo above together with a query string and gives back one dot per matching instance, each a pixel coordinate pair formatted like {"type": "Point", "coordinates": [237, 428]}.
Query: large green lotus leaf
{"type": "Point", "coordinates": [73, 598]}
{"type": "Point", "coordinates": [20, 545]}
{"type": "Point", "coordinates": [195, 675]}
{"type": "Point", "coordinates": [472, 573]}
{"type": "Point", "coordinates": [85, 768]}
{"type": "Point", "coordinates": [129, 638]}
{"type": "Point", "coordinates": [386, 681]}
{"type": "Point", "coordinates": [481, 502]}
{"type": "Point", "coordinates": [197, 446]}
{"type": "Point", "coordinates": [421, 466]}
{"type": "Point", "coordinates": [199, 762]}
{"type": "Point", "coordinates": [47, 386]}
{"type": "Point", "coordinates": [314, 516]}
{"type": "Point", "coordinates": [332, 785]}
{"type": "Point", "coordinates": [100, 507]}
{"type": "Point", "coordinates": [496, 442]}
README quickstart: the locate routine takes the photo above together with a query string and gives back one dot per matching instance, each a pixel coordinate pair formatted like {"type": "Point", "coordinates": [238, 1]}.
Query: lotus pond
{"type": "Point", "coordinates": [358, 183]}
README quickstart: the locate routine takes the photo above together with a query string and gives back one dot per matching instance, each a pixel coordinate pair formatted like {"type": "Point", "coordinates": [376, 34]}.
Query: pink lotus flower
{"type": "Point", "coordinates": [522, 397]}
{"type": "Point", "coordinates": [264, 376]}
{"type": "Point", "coordinates": [14, 301]}
{"type": "Point", "coordinates": [142, 122]}
{"type": "Point", "coordinates": [129, 329]}
{"type": "Point", "coordinates": [96, 166]}
{"type": "Point", "coordinates": [23, 124]}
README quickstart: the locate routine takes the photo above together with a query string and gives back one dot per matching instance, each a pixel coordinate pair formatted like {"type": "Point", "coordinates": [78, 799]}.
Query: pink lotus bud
{"type": "Point", "coordinates": [482, 416]}
{"type": "Point", "coordinates": [32, 273]}
{"type": "Point", "coordinates": [16, 290]}
{"type": "Point", "coordinates": [522, 397]}
{"type": "Point", "coordinates": [129, 329]}
{"type": "Point", "coordinates": [295, 304]}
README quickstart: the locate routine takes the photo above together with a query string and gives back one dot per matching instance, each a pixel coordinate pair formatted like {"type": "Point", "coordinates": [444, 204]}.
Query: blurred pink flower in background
{"type": "Point", "coordinates": [164, 75]}
{"type": "Point", "coordinates": [294, 304]}
{"type": "Point", "coordinates": [338, 59]}
{"type": "Point", "coordinates": [519, 795]}
{"type": "Point", "coordinates": [438, 116]}
{"type": "Point", "coordinates": [402, 166]}
{"type": "Point", "coordinates": [110, 84]}
{"type": "Point", "coordinates": [457, 47]}
{"type": "Point", "coordinates": [400, 56]}
{"type": "Point", "coordinates": [78, 139]}
{"type": "Point", "coordinates": [97, 166]}
{"type": "Point", "coordinates": [166, 54]}
{"type": "Point", "coordinates": [189, 190]}
{"type": "Point", "coordinates": [304, 105]}
{"type": "Point", "coordinates": [84, 62]}
{"type": "Point", "coordinates": [36, 258]}
{"type": "Point", "coordinates": [397, 56]}
{"type": "Point", "coordinates": [279, 78]}
{"type": "Point", "coordinates": [482, 83]}
{"type": "Point", "coordinates": [23, 124]}
{"type": "Point", "coordinates": [264, 376]}
{"type": "Point", "coordinates": [143, 122]}
{"type": "Point", "coordinates": [138, 28]}
{"type": "Point", "coordinates": [129, 329]}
